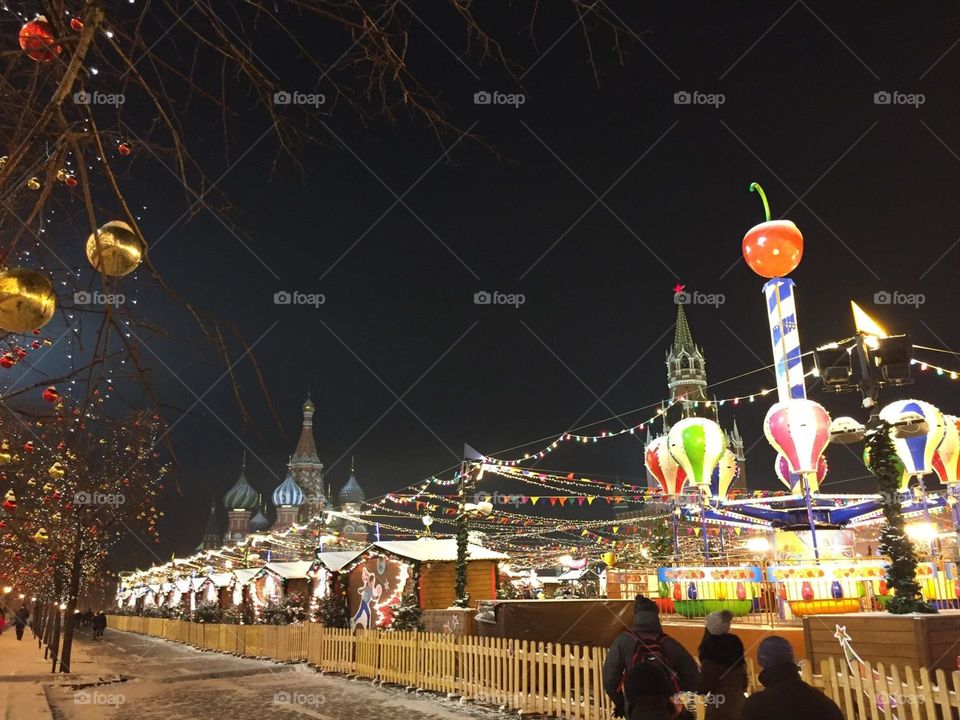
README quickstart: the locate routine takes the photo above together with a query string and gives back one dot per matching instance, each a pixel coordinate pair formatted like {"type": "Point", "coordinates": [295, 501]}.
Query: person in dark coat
{"type": "Point", "coordinates": [20, 620]}
{"type": "Point", "coordinates": [649, 694]}
{"type": "Point", "coordinates": [723, 670]}
{"type": "Point", "coordinates": [646, 624]}
{"type": "Point", "coordinates": [99, 624]}
{"type": "Point", "coordinates": [785, 696]}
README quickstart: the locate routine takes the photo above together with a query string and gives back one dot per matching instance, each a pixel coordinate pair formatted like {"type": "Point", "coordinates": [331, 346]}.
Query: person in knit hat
{"type": "Point", "coordinates": [723, 671]}
{"type": "Point", "coordinates": [785, 696]}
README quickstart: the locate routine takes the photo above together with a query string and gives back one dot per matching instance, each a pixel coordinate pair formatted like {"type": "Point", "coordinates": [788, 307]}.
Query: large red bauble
{"type": "Point", "coordinates": [51, 394]}
{"type": "Point", "coordinates": [37, 42]}
{"type": "Point", "coordinates": [7, 360]}
{"type": "Point", "coordinates": [773, 248]}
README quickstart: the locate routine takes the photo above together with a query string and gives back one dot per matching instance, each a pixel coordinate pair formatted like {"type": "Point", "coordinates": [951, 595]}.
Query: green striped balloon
{"type": "Point", "coordinates": [697, 444]}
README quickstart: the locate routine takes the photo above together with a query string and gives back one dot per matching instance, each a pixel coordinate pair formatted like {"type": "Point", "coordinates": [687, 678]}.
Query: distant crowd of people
{"type": "Point", "coordinates": [649, 675]}
{"type": "Point", "coordinates": [96, 623]}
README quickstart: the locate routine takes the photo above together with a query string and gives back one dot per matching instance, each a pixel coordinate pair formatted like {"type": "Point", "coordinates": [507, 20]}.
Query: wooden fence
{"type": "Point", "coordinates": [530, 677]}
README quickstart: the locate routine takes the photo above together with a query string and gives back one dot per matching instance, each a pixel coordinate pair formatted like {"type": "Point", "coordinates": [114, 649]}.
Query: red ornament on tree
{"type": "Point", "coordinates": [51, 394]}
{"type": "Point", "coordinates": [28, 446]}
{"type": "Point", "coordinates": [7, 360]}
{"type": "Point", "coordinates": [76, 24]}
{"type": "Point", "coordinates": [37, 41]}
{"type": "Point", "coordinates": [772, 248]}
{"type": "Point", "coordinates": [124, 149]}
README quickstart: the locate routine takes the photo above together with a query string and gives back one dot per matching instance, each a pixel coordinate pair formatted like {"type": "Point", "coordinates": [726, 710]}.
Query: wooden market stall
{"type": "Point", "coordinates": [386, 571]}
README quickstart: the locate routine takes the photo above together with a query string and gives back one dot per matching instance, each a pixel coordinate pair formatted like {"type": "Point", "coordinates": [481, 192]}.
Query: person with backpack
{"type": "Point", "coordinates": [723, 670]}
{"type": "Point", "coordinates": [785, 696]}
{"type": "Point", "coordinates": [649, 658]}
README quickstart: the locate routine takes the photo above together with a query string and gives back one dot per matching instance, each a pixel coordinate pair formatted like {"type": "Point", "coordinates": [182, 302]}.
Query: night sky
{"type": "Point", "coordinates": [404, 367]}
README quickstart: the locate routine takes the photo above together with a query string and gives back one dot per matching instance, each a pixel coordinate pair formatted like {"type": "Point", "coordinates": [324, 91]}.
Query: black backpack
{"type": "Point", "coordinates": [650, 667]}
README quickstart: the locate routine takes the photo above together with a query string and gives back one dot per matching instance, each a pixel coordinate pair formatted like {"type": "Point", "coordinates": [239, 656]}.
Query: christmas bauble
{"type": "Point", "coordinates": [119, 251]}
{"type": "Point", "coordinates": [76, 24]}
{"type": "Point", "coordinates": [27, 300]}
{"type": "Point", "coordinates": [37, 41]}
{"type": "Point", "coordinates": [124, 149]}
{"type": "Point", "coordinates": [51, 394]}
{"type": "Point", "coordinates": [33, 183]}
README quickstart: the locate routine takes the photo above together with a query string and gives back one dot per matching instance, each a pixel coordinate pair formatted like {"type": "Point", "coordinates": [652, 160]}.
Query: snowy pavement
{"type": "Point", "coordinates": [162, 680]}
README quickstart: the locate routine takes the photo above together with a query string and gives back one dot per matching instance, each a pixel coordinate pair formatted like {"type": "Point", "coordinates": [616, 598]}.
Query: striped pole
{"type": "Point", "coordinates": [785, 336]}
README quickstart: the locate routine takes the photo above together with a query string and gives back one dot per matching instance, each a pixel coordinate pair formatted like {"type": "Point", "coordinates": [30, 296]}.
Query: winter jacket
{"type": "Point", "coordinates": [21, 617]}
{"type": "Point", "coordinates": [646, 623]}
{"type": "Point", "coordinates": [99, 622]}
{"type": "Point", "coordinates": [786, 697]}
{"type": "Point", "coordinates": [723, 676]}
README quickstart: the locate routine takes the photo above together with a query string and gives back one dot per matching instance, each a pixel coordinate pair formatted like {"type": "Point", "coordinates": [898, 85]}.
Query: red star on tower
{"type": "Point", "coordinates": [678, 288]}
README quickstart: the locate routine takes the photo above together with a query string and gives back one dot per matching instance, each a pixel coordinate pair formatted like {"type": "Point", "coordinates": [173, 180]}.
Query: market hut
{"type": "Point", "coordinates": [215, 587]}
{"type": "Point", "coordinates": [326, 569]}
{"type": "Point", "coordinates": [386, 571]}
{"type": "Point", "coordinates": [276, 580]}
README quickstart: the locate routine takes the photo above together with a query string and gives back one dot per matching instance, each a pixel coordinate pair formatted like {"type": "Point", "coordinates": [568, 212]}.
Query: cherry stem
{"type": "Point", "coordinates": [755, 187]}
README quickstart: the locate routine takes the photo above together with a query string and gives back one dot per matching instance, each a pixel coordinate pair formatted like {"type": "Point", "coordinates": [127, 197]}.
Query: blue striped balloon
{"type": "Point", "coordinates": [916, 452]}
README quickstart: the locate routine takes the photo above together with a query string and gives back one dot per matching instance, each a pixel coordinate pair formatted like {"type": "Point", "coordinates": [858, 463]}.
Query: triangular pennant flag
{"type": "Point", "coordinates": [590, 499]}
{"type": "Point", "coordinates": [570, 476]}
{"type": "Point", "coordinates": [533, 500]}
{"type": "Point", "coordinates": [553, 501]}
{"type": "Point", "coordinates": [563, 500]}
{"type": "Point", "coordinates": [580, 500]}
{"type": "Point", "coordinates": [469, 453]}
{"type": "Point", "coordinates": [738, 531]}
{"type": "Point", "coordinates": [584, 533]}
{"type": "Point", "coordinates": [696, 531]}
{"type": "Point", "coordinates": [616, 529]}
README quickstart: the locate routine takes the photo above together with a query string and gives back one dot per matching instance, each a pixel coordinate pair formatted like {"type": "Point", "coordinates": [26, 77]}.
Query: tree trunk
{"type": "Point", "coordinates": [74, 591]}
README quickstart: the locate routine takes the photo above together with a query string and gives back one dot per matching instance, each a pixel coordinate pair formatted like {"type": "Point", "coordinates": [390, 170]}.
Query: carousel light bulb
{"type": "Point", "coordinates": [925, 532]}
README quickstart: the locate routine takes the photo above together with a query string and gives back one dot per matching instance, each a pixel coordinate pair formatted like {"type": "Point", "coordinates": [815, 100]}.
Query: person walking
{"type": "Point", "coordinates": [646, 644]}
{"type": "Point", "coordinates": [723, 670]}
{"type": "Point", "coordinates": [3, 619]}
{"type": "Point", "coordinates": [21, 619]}
{"type": "Point", "coordinates": [785, 696]}
{"type": "Point", "coordinates": [99, 624]}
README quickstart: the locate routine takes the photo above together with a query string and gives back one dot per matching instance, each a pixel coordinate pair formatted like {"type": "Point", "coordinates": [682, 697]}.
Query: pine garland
{"type": "Point", "coordinates": [902, 571]}
{"type": "Point", "coordinates": [463, 597]}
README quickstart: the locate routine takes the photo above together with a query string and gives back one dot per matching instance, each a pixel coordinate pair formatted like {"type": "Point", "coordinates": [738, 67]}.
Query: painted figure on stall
{"type": "Point", "coordinates": [370, 593]}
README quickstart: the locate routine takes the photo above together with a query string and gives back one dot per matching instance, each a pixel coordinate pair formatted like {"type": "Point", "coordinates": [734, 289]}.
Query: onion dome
{"type": "Point", "coordinates": [351, 492]}
{"type": "Point", "coordinates": [288, 493]}
{"type": "Point", "coordinates": [241, 496]}
{"type": "Point", "coordinates": [259, 522]}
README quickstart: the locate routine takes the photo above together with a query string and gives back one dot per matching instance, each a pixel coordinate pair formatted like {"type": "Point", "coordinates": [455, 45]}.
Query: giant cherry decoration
{"type": "Point", "coordinates": [773, 248]}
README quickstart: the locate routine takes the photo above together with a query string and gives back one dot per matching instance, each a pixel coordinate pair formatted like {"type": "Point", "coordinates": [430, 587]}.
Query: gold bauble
{"type": "Point", "coordinates": [62, 175]}
{"type": "Point", "coordinates": [56, 471]}
{"type": "Point", "coordinates": [33, 183]}
{"type": "Point", "coordinates": [41, 536]}
{"type": "Point", "coordinates": [120, 249]}
{"type": "Point", "coordinates": [27, 300]}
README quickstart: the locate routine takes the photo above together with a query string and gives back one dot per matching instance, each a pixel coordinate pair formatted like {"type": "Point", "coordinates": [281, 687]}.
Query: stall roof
{"type": "Point", "coordinates": [245, 575]}
{"type": "Point", "coordinates": [435, 550]}
{"type": "Point", "coordinates": [220, 580]}
{"type": "Point", "coordinates": [335, 560]}
{"type": "Point", "coordinates": [576, 574]}
{"type": "Point", "coordinates": [289, 570]}
{"type": "Point", "coordinates": [182, 584]}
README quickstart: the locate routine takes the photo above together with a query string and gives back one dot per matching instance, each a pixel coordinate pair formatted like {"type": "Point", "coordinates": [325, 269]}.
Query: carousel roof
{"type": "Point", "coordinates": [435, 549]}
{"type": "Point", "coordinates": [335, 560]}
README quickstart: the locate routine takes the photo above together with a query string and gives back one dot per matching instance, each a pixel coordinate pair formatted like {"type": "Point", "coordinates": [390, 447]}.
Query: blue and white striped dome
{"type": "Point", "coordinates": [288, 493]}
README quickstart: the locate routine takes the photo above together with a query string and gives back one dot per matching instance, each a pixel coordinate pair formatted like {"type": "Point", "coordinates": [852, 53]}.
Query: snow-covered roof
{"type": "Point", "coordinates": [245, 575]}
{"type": "Point", "coordinates": [428, 549]}
{"type": "Point", "coordinates": [335, 560]}
{"type": "Point", "coordinates": [182, 584]}
{"type": "Point", "coordinates": [219, 580]}
{"type": "Point", "coordinates": [576, 574]}
{"type": "Point", "coordinates": [289, 570]}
